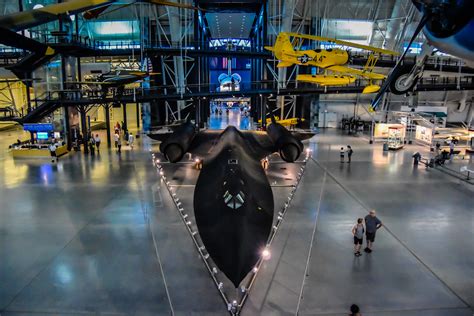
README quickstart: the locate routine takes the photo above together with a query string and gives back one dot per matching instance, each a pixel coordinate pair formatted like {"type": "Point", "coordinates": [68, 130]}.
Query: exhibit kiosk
{"type": "Point", "coordinates": [393, 134]}
{"type": "Point", "coordinates": [42, 136]}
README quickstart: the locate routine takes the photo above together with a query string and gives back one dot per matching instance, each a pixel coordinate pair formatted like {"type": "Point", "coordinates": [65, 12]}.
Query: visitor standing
{"type": "Point", "coordinates": [349, 153]}
{"type": "Point", "coordinates": [119, 144]}
{"type": "Point", "coordinates": [97, 142]}
{"type": "Point", "coordinates": [451, 150]}
{"type": "Point", "coordinates": [131, 140]}
{"type": "Point", "coordinates": [358, 233]}
{"type": "Point", "coordinates": [341, 154]}
{"type": "Point", "coordinates": [116, 138]}
{"type": "Point", "coordinates": [52, 151]}
{"type": "Point", "coordinates": [372, 224]}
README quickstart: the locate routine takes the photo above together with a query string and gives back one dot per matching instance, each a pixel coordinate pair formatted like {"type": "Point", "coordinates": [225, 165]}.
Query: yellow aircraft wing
{"type": "Point", "coordinates": [358, 72]}
{"type": "Point", "coordinates": [345, 43]}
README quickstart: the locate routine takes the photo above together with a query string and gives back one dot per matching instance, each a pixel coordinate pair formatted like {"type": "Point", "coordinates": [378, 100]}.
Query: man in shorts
{"type": "Point", "coordinates": [372, 223]}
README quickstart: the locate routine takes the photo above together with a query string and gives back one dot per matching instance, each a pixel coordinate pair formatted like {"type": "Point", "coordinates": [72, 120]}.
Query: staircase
{"type": "Point", "coordinates": [29, 63]}
{"type": "Point", "coordinates": [40, 112]}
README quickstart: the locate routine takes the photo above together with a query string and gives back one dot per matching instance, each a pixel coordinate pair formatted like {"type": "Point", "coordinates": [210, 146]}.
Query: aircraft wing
{"type": "Point", "coordinates": [345, 43]}
{"type": "Point", "coordinates": [31, 18]}
{"type": "Point", "coordinates": [358, 72]}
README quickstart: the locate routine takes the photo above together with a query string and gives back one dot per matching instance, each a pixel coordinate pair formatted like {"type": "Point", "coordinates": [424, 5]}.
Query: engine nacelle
{"type": "Point", "coordinates": [287, 145]}
{"type": "Point", "coordinates": [177, 144]}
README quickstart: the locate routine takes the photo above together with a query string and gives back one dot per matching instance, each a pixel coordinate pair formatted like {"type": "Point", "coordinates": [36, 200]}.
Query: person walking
{"type": "Point", "coordinates": [372, 224]}
{"type": "Point", "coordinates": [92, 145]}
{"type": "Point", "coordinates": [97, 142]}
{"type": "Point", "coordinates": [116, 138]}
{"type": "Point", "coordinates": [52, 151]}
{"type": "Point", "coordinates": [119, 144]}
{"type": "Point", "coordinates": [131, 140]}
{"type": "Point", "coordinates": [358, 233]}
{"type": "Point", "coordinates": [349, 153]}
{"type": "Point", "coordinates": [342, 152]}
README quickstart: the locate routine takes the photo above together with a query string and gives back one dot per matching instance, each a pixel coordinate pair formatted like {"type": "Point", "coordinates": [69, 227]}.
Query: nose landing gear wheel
{"type": "Point", "coordinates": [404, 80]}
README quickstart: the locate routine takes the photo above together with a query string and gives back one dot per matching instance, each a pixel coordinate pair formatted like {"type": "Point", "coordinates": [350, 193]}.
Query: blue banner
{"type": "Point", "coordinates": [38, 127]}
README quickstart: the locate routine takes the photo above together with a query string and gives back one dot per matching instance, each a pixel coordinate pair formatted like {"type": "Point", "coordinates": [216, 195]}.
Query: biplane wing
{"type": "Point", "coordinates": [344, 43]}
{"type": "Point", "coordinates": [362, 73]}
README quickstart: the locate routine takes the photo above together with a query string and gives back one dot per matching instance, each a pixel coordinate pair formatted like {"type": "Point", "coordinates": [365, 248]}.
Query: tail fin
{"type": "Point", "coordinates": [282, 50]}
{"type": "Point", "coordinates": [283, 45]}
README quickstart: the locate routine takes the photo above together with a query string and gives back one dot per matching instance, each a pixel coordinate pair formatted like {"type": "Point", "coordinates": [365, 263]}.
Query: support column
{"type": "Point", "coordinates": [124, 125]}
{"type": "Point", "coordinates": [67, 127]}
{"type": "Point", "coordinates": [176, 34]}
{"type": "Point", "coordinates": [138, 115]}
{"type": "Point", "coordinates": [107, 125]}
{"type": "Point", "coordinates": [85, 133]}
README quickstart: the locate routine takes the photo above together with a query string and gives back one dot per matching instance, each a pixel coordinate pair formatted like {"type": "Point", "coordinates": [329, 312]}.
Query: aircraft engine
{"type": "Point", "coordinates": [175, 146]}
{"type": "Point", "coordinates": [287, 145]}
{"type": "Point", "coordinates": [449, 26]}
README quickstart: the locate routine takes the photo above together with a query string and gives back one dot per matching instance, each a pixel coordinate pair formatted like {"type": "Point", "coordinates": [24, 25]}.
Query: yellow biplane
{"type": "Point", "coordinates": [333, 61]}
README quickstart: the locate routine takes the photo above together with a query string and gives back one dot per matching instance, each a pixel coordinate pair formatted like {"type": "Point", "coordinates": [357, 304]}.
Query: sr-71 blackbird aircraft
{"type": "Point", "coordinates": [233, 200]}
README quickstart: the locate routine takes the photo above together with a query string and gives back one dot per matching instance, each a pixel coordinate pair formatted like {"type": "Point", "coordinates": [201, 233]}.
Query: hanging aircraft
{"type": "Point", "coordinates": [332, 61]}
{"type": "Point", "coordinates": [12, 23]}
{"type": "Point", "coordinates": [233, 200]}
{"type": "Point", "coordinates": [448, 26]}
{"type": "Point", "coordinates": [119, 79]}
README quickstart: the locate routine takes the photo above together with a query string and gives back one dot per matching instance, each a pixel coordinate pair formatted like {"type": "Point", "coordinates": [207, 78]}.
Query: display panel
{"type": "Point", "coordinates": [42, 135]}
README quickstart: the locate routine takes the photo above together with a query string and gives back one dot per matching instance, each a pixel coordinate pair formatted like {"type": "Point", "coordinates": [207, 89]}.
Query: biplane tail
{"type": "Point", "coordinates": [283, 49]}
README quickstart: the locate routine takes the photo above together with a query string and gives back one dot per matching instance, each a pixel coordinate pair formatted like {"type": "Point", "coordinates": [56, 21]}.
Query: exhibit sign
{"type": "Point", "coordinates": [38, 127]}
{"type": "Point", "coordinates": [384, 130]}
{"type": "Point", "coordinates": [424, 134]}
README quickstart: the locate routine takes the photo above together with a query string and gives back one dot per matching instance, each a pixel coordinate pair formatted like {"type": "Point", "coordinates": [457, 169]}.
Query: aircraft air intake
{"type": "Point", "coordinates": [285, 143]}
{"type": "Point", "coordinates": [175, 146]}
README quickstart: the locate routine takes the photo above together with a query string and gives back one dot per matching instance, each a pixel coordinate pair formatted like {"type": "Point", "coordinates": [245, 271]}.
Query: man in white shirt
{"type": "Point", "coordinates": [97, 142]}
{"type": "Point", "coordinates": [52, 150]}
{"type": "Point", "coordinates": [131, 140]}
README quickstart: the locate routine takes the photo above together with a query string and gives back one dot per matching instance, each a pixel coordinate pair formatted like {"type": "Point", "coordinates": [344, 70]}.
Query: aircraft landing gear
{"type": "Point", "coordinates": [405, 80]}
{"type": "Point", "coordinates": [406, 77]}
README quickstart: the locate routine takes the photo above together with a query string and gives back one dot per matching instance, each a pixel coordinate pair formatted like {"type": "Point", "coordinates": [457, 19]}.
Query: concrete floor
{"type": "Point", "coordinates": [100, 236]}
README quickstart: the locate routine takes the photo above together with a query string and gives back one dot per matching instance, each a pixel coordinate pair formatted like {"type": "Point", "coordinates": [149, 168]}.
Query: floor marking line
{"type": "Point", "coordinates": [157, 253]}
{"type": "Point", "coordinates": [367, 208]}
{"type": "Point", "coordinates": [310, 250]}
{"type": "Point", "coordinates": [161, 268]}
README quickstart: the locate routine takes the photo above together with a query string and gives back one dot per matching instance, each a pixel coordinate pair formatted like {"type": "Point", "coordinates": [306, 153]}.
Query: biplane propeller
{"type": "Point", "coordinates": [333, 61]}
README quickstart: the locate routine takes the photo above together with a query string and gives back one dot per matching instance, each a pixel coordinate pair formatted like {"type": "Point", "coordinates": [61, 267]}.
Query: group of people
{"type": "Point", "coordinates": [367, 227]}
{"type": "Point", "coordinates": [94, 143]}
{"type": "Point", "coordinates": [347, 151]}
{"type": "Point", "coordinates": [117, 140]}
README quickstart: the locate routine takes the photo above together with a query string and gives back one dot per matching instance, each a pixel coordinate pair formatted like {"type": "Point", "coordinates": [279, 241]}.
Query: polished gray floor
{"type": "Point", "coordinates": [100, 236]}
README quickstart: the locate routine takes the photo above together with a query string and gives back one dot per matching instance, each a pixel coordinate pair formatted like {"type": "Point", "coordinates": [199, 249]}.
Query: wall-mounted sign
{"type": "Point", "coordinates": [38, 127]}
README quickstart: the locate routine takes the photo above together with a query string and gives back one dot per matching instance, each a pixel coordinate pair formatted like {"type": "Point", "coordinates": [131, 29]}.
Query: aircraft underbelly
{"type": "Point", "coordinates": [233, 233]}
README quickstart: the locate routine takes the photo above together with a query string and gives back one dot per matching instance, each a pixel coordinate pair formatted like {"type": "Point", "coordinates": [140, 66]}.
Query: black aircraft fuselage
{"type": "Point", "coordinates": [233, 205]}
{"type": "Point", "coordinates": [233, 200]}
